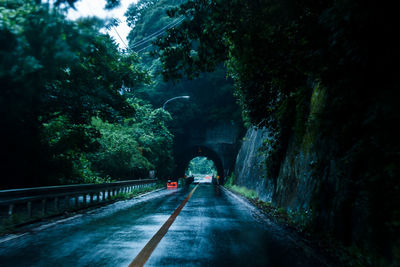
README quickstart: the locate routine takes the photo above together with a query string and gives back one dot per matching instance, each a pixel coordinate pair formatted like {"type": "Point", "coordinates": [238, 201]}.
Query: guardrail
{"type": "Point", "coordinates": [65, 197]}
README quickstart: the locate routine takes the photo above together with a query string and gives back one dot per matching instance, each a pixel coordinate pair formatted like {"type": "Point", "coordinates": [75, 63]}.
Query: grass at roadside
{"type": "Point", "coordinates": [244, 191]}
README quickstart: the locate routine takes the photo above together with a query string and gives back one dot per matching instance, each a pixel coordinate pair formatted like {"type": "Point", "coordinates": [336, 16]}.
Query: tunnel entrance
{"type": "Point", "coordinates": [188, 155]}
{"type": "Point", "coordinates": [202, 169]}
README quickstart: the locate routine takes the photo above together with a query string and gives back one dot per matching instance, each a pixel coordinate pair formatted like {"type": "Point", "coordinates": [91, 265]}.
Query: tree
{"type": "Point", "coordinates": [56, 74]}
{"type": "Point", "coordinates": [134, 147]}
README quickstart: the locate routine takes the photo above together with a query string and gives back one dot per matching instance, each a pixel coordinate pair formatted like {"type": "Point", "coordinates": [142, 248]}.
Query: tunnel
{"type": "Point", "coordinates": [199, 151]}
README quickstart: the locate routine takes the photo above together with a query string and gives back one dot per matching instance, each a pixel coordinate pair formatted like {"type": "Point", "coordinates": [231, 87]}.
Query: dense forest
{"type": "Point", "coordinates": [68, 111]}
{"type": "Point", "coordinates": [77, 109]}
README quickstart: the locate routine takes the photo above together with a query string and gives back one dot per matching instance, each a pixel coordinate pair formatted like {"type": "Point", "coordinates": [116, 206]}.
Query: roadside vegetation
{"type": "Point", "coordinates": [242, 190]}
{"type": "Point", "coordinates": [67, 107]}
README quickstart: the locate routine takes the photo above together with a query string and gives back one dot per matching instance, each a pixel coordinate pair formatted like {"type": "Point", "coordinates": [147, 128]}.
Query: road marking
{"type": "Point", "coordinates": [146, 252]}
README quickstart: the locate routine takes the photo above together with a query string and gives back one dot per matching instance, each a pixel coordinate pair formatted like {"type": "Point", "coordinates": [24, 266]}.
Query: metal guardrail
{"type": "Point", "coordinates": [71, 196]}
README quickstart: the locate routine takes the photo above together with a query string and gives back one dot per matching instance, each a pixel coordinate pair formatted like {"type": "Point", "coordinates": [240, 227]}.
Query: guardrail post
{"type": "Point", "coordinates": [44, 207]}
{"type": "Point", "coordinates": [10, 209]}
{"type": "Point", "coordinates": [29, 207]}
{"type": "Point", "coordinates": [98, 197]}
{"type": "Point", "coordinates": [66, 202]}
{"type": "Point", "coordinates": [91, 198]}
{"type": "Point", "coordinates": [56, 204]}
{"type": "Point", "coordinates": [76, 201]}
{"type": "Point", "coordinates": [104, 195]}
{"type": "Point", "coordinates": [84, 199]}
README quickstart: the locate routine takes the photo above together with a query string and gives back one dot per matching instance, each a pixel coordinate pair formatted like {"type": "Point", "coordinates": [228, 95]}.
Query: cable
{"type": "Point", "coordinates": [171, 25]}
{"type": "Point", "coordinates": [149, 39]}
{"type": "Point", "coordinates": [143, 48]}
{"type": "Point", "coordinates": [155, 34]}
{"type": "Point", "coordinates": [115, 29]}
{"type": "Point", "coordinates": [158, 32]}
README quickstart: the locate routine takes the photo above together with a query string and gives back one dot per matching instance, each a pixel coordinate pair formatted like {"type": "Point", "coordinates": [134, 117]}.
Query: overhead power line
{"type": "Point", "coordinates": [149, 37]}
{"type": "Point", "coordinates": [115, 29]}
{"type": "Point", "coordinates": [157, 33]}
{"type": "Point", "coordinates": [144, 48]}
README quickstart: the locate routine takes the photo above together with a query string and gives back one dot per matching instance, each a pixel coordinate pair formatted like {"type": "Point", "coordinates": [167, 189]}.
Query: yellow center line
{"type": "Point", "coordinates": [146, 252]}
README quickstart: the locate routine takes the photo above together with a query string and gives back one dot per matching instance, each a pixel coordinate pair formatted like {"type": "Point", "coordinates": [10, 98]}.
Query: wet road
{"type": "Point", "coordinates": [215, 228]}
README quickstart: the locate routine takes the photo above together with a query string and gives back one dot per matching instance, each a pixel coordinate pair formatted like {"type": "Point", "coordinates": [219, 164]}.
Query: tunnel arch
{"type": "Point", "coordinates": [199, 151]}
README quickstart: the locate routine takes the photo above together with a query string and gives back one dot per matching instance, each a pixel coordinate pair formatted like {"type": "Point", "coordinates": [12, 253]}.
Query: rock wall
{"type": "Point", "coordinates": [312, 184]}
{"type": "Point", "coordinates": [308, 186]}
{"type": "Point", "coordinates": [307, 171]}
{"type": "Point", "coordinates": [308, 177]}
{"type": "Point", "coordinates": [249, 165]}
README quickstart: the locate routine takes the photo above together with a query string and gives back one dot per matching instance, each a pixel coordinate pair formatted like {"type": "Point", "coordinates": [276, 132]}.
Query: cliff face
{"type": "Point", "coordinates": [310, 186]}
{"type": "Point", "coordinates": [322, 189]}
{"type": "Point", "coordinates": [295, 185]}
{"type": "Point", "coordinates": [249, 170]}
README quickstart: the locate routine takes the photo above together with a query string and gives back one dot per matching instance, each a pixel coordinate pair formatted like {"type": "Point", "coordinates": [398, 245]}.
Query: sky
{"type": "Point", "coordinates": [96, 8]}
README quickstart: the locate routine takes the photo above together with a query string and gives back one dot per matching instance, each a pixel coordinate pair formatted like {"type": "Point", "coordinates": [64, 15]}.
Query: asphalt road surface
{"type": "Point", "coordinates": [214, 228]}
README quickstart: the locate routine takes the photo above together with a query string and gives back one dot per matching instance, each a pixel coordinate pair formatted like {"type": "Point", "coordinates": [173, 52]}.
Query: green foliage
{"type": "Point", "coordinates": [134, 147]}
{"type": "Point", "coordinates": [242, 190]}
{"type": "Point", "coordinates": [230, 181]}
{"type": "Point", "coordinates": [201, 165]}
{"type": "Point", "coordinates": [66, 146]}
{"type": "Point", "coordinates": [55, 76]}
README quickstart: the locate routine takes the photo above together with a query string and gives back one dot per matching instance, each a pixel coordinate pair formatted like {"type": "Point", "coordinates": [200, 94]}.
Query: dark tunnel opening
{"type": "Point", "coordinates": [199, 151]}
